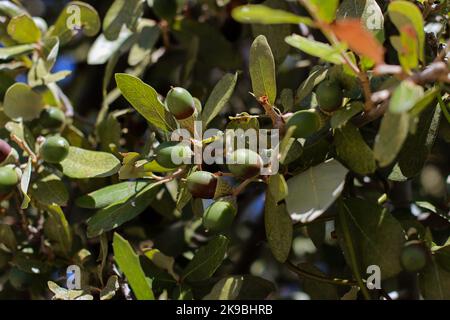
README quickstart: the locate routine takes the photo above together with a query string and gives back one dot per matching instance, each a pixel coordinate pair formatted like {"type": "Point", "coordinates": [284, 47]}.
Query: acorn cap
{"type": "Point", "coordinates": [5, 150]}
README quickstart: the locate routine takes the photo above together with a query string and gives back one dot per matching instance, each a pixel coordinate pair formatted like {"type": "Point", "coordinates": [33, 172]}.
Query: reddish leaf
{"type": "Point", "coordinates": [358, 39]}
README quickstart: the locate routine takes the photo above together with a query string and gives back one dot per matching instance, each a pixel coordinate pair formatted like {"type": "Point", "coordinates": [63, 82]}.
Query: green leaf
{"type": "Point", "coordinates": [262, 70]}
{"type": "Point", "coordinates": [145, 100]}
{"type": "Point", "coordinates": [69, 23]}
{"type": "Point", "coordinates": [149, 33]}
{"type": "Point", "coordinates": [325, 10]}
{"type": "Point", "coordinates": [241, 288]}
{"type": "Point", "coordinates": [404, 13]}
{"type": "Point", "coordinates": [109, 291]}
{"type": "Point", "coordinates": [25, 180]}
{"type": "Point", "coordinates": [389, 141]}
{"type": "Point", "coordinates": [57, 230]}
{"type": "Point", "coordinates": [316, 76]}
{"type": "Point", "coordinates": [321, 186]}
{"type": "Point", "coordinates": [353, 150]}
{"type": "Point", "coordinates": [85, 164]}
{"type": "Point", "coordinates": [418, 146]}
{"type": "Point", "coordinates": [278, 187]}
{"type": "Point", "coordinates": [111, 194]}
{"type": "Point", "coordinates": [23, 29]}
{"type": "Point", "coordinates": [405, 97]}
{"type": "Point", "coordinates": [207, 260]}
{"type": "Point", "coordinates": [368, 11]}
{"type": "Point", "coordinates": [49, 190]}
{"type": "Point", "coordinates": [343, 115]}
{"type": "Point", "coordinates": [266, 15]}
{"type": "Point", "coordinates": [22, 102]}
{"type": "Point", "coordinates": [279, 228]}
{"type": "Point", "coordinates": [16, 51]}
{"type": "Point", "coordinates": [219, 97]}
{"type": "Point", "coordinates": [128, 262]}
{"type": "Point", "coordinates": [121, 12]}
{"type": "Point", "coordinates": [314, 48]}
{"type": "Point", "coordinates": [162, 261]}
{"type": "Point", "coordinates": [121, 211]}
{"type": "Point", "coordinates": [315, 289]}
{"type": "Point", "coordinates": [377, 237]}
{"type": "Point", "coordinates": [8, 237]}
{"type": "Point", "coordinates": [434, 282]}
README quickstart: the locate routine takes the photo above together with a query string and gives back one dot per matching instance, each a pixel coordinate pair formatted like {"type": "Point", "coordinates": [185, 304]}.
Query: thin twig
{"type": "Point", "coordinates": [308, 275]}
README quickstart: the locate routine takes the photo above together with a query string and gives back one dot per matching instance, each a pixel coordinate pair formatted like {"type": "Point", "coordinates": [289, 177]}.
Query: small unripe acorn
{"type": "Point", "coordinates": [180, 103]}
{"type": "Point", "coordinates": [329, 96]}
{"type": "Point", "coordinates": [306, 122]}
{"type": "Point", "coordinates": [245, 163]}
{"type": "Point", "coordinates": [5, 150]}
{"type": "Point", "coordinates": [202, 184]}
{"type": "Point", "coordinates": [219, 216]}
{"type": "Point", "coordinates": [414, 256]}
{"type": "Point", "coordinates": [54, 149]}
{"type": "Point", "coordinates": [165, 9]}
{"type": "Point", "coordinates": [52, 118]}
{"type": "Point", "coordinates": [8, 179]}
{"type": "Point", "coordinates": [168, 153]}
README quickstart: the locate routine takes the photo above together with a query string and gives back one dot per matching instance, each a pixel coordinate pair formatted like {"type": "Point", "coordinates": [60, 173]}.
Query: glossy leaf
{"type": "Point", "coordinates": [405, 97]}
{"type": "Point", "coordinates": [262, 70]}
{"type": "Point", "coordinates": [121, 13]}
{"type": "Point", "coordinates": [406, 13]}
{"type": "Point", "coordinates": [121, 211]}
{"type": "Point", "coordinates": [279, 228]}
{"type": "Point", "coordinates": [76, 16]}
{"type": "Point", "coordinates": [353, 150]}
{"type": "Point", "coordinates": [324, 10]}
{"type": "Point", "coordinates": [265, 15]}
{"type": "Point", "coordinates": [23, 29]}
{"type": "Point", "coordinates": [128, 262]}
{"type": "Point", "coordinates": [377, 237]}
{"type": "Point", "coordinates": [219, 97]}
{"type": "Point", "coordinates": [318, 187]}
{"type": "Point", "coordinates": [111, 194]}
{"type": "Point", "coordinates": [206, 260]}
{"type": "Point", "coordinates": [22, 102]}
{"type": "Point", "coordinates": [389, 141]}
{"type": "Point", "coordinates": [85, 164]}
{"type": "Point", "coordinates": [315, 48]}
{"type": "Point", "coordinates": [145, 100]}
{"type": "Point", "coordinates": [57, 230]}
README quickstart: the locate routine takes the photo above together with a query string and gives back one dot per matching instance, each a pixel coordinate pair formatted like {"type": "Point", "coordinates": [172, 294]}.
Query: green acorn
{"type": "Point", "coordinates": [8, 179]}
{"type": "Point", "coordinates": [54, 149]}
{"type": "Point", "coordinates": [165, 9]}
{"type": "Point", "coordinates": [180, 103]}
{"type": "Point", "coordinates": [414, 256]}
{"type": "Point", "coordinates": [202, 184]}
{"type": "Point", "coordinates": [245, 164]}
{"type": "Point", "coordinates": [167, 152]}
{"type": "Point", "coordinates": [219, 216]}
{"type": "Point", "coordinates": [52, 118]}
{"type": "Point", "coordinates": [329, 95]}
{"type": "Point", "coordinates": [307, 122]}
